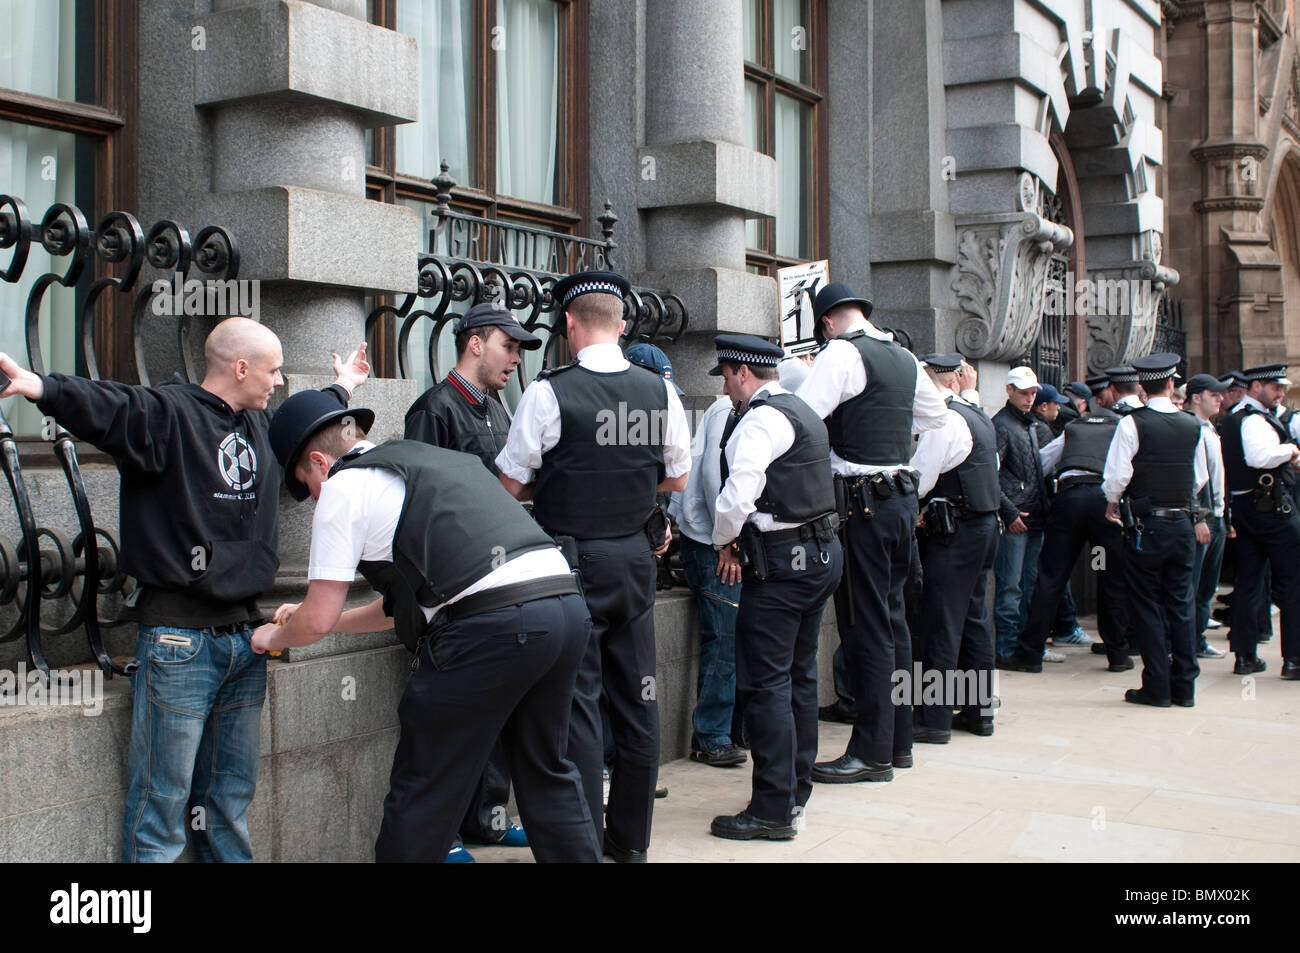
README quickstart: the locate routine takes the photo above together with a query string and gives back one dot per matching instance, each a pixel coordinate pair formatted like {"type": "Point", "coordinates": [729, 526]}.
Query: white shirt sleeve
{"type": "Point", "coordinates": [1214, 456]}
{"type": "Point", "coordinates": [836, 375]}
{"type": "Point", "coordinates": [677, 436]}
{"type": "Point", "coordinates": [1260, 444]}
{"type": "Point", "coordinates": [938, 451]}
{"type": "Point", "coordinates": [762, 435]}
{"type": "Point", "coordinates": [1200, 464]}
{"type": "Point", "coordinates": [1050, 455]}
{"type": "Point", "coordinates": [355, 519]}
{"type": "Point", "coordinates": [535, 430]}
{"type": "Point", "coordinates": [1119, 460]}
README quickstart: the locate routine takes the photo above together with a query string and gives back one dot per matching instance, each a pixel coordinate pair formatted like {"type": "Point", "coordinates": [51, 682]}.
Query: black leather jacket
{"type": "Point", "coordinates": [447, 416]}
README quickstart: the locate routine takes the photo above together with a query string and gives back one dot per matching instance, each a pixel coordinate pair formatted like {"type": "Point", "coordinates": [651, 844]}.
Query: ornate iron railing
{"type": "Point", "coordinates": [1170, 334]}
{"type": "Point", "coordinates": [473, 259]}
{"type": "Point", "coordinates": [86, 567]}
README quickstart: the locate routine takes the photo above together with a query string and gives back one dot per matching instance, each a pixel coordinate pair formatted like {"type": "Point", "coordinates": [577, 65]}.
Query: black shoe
{"type": "Point", "coordinates": [622, 855]}
{"type": "Point", "coordinates": [1097, 648]}
{"type": "Point", "coordinates": [1123, 665]}
{"type": "Point", "coordinates": [1139, 697]}
{"type": "Point", "coordinates": [723, 756]}
{"type": "Point", "coordinates": [1015, 662]}
{"type": "Point", "coordinates": [1264, 639]}
{"type": "Point", "coordinates": [1222, 614]}
{"type": "Point", "coordinates": [846, 769]}
{"type": "Point", "coordinates": [902, 759]}
{"type": "Point", "coordinates": [1291, 669]}
{"type": "Point", "coordinates": [835, 712]}
{"type": "Point", "coordinates": [661, 792]}
{"type": "Point", "coordinates": [930, 736]}
{"type": "Point", "coordinates": [1184, 702]}
{"type": "Point", "coordinates": [745, 826]}
{"type": "Point", "coordinates": [1248, 665]}
{"type": "Point", "coordinates": [975, 724]}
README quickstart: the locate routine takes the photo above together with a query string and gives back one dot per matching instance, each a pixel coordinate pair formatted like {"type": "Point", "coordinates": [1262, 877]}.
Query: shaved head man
{"type": "Point", "coordinates": [199, 527]}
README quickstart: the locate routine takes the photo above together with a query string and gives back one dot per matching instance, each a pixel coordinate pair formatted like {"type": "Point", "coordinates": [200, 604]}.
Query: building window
{"type": "Point", "coordinates": [785, 82]}
{"type": "Point", "coordinates": [64, 89]}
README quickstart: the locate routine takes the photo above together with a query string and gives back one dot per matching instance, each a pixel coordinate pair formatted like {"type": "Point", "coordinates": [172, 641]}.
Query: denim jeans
{"type": "Point", "coordinates": [195, 744]}
{"type": "Point", "coordinates": [1016, 570]}
{"type": "Point", "coordinates": [1205, 575]}
{"type": "Point", "coordinates": [718, 605]}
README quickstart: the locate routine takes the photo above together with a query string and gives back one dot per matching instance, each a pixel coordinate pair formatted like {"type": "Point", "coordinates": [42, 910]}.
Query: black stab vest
{"type": "Point", "coordinates": [1164, 464]}
{"type": "Point", "coordinates": [799, 484]}
{"type": "Point", "coordinates": [458, 523]}
{"type": "Point", "coordinates": [974, 481]}
{"type": "Point", "coordinates": [875, 427]}
{"type": "Point", "coordinates": [1087, 441]}
{"type": "Point", "coordinates": [599, 481]}
{"type": "Point", "coordinates": [1238, 474]}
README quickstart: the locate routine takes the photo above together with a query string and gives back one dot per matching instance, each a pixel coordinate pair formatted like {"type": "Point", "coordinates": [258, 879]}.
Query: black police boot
{"type": "Point", "coordinates": [1248, 665]}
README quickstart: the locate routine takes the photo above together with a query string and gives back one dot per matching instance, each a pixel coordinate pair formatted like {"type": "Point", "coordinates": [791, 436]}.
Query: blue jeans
{"type": "Point", "coordinates": [195, 744]}
{"type": "Point", "coordinates": [1205, 575]}
{"type": "Point", "coordinates": [1016, 570]}
{"type": "Point", "coordinates": [718, 605]}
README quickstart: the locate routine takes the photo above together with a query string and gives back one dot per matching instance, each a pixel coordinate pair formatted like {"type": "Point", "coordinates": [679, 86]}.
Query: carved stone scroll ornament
{"type": "Point", "coordinates": [1001, 282]}
{"type": "Point", "coordinates": [1120, 306]}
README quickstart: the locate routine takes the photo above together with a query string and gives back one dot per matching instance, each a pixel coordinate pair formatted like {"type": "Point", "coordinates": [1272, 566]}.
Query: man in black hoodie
{"type": "Point", "coordinates": [199, 511]}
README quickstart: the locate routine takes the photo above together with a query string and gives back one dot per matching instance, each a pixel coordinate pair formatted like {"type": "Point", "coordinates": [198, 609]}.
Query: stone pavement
{"type": "Point", "coordinates": [1073, 773]}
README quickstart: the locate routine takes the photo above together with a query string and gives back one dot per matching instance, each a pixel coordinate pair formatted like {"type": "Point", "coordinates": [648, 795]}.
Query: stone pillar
{"type": "Point", "coordinates": [697, 181]}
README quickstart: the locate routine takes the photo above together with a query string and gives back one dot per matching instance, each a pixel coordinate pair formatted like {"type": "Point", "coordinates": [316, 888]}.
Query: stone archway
{"type": "Point", "coordinates": [1284, 235]}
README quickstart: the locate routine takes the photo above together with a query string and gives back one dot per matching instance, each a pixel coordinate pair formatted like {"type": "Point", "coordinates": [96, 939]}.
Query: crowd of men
{"type": "Point", "coordinates": [863, 475]}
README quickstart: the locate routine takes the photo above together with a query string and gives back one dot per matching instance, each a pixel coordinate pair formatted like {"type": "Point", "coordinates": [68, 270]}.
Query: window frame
{"type": "Point", "coordinates": [765, 260]}
{"type": "Point", "coordinates": [385, 183]}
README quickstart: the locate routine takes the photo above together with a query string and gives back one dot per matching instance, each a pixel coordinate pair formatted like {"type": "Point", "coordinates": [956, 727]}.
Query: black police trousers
{"type": "Point", "coordinates": [1272, 540]}
{"type": "Point", "coordinates": [954, 634]}
{"type": "Point", "coordinates": [878, 642]}
{"type": "Point", "coordinates": [1078, 516]}
{"type": "Point", "coordinates": [1159, 564]}
{"type": "Point", "coordinates": [776, 670]}
{"type": "Point", "coordinates": [618, 577]}
{"type": "Point", "coordinates": [504, 673]}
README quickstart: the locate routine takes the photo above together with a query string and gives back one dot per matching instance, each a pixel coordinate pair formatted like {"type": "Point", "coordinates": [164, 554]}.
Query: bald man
{"type": "Point", "coordinates": [199, 527]}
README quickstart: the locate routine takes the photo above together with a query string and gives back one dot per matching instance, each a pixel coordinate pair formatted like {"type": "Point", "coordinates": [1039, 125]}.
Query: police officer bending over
{"type": "Point", "coordinates": [959, 463]}
{"type": "Point", "coordinates": [1156, 463]}
{"type": "Point", "coordinates": [777, 506]}
{"type": "Point", "coordinates": [481, 596]}
{"type": "Point", "coordinates": [590, 444]}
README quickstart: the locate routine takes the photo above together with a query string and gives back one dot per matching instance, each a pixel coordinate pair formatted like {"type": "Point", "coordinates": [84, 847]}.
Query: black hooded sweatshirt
{"type": "Point", "coordinates": [199, 498]}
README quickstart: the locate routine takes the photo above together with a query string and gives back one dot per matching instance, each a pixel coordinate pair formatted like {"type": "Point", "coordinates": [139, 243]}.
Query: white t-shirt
{"type": "Point", "coordinates": [356, 517]}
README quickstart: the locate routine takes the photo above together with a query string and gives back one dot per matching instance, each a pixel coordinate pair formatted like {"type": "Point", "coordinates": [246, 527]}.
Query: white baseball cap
{"type": "Point", "coordinates": [1022, 378]}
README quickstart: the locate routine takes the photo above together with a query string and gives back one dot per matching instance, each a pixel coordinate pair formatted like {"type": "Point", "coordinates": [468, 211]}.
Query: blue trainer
{"type": "Point", "coordinates": [515, 837]}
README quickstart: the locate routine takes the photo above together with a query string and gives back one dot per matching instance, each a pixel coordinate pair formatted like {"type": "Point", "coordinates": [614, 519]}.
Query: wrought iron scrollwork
{"type": "Point", "coordinates": [473, 259]}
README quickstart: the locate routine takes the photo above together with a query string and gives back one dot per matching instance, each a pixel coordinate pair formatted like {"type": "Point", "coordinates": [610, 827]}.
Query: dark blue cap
{"type": "Point", "coordinates": [1079, 389]}
{"type": "Point", "coordinates": [1273, 373]}
{"type": "Point", "coordinates": [652, 358]}
{"type": "Point", "coordinates": [495, 314]}
{"type": "Point", "coordinates": [297, 420]}
{"type": "Point", "coordinates": [1047, 394]}
{"type": "Point", "coordinates": [1097, 383]}
{"type": "Point", "coordinates": [1234, 379]}
{"type": "Point", "coordinates": [587, 282]}
{"type": "Point", "coordinates": [1156, 367]}
{"type": "Point", "coordinates": [1200, 382]}
{"type": "Point", "coordinates": [941, 362]}
{"type": "Point", "coordinates": [745, 349]}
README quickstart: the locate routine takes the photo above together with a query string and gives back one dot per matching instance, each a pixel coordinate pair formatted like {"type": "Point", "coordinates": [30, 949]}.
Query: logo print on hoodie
{"type": "Point", "coordinates": [237, 462]}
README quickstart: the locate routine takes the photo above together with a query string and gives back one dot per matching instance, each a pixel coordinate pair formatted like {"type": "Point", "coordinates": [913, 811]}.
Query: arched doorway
{"type": "Point", "coordinates": [1284, 228]}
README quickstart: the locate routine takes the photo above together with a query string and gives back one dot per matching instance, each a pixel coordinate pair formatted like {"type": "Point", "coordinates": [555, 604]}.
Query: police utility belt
{"type": "Point", "coordinates": [499, 597]}
{"type": "Point", "coordinates": [1272, 496]}
{"type": "Point", "coordinates": [1061, 484]}
{"type": "Point", "coordinates": [855, 494]}
{"type": "Point", "coordinates": [942, 514]}
{"type": "Point", "coordinates": [753, 543]}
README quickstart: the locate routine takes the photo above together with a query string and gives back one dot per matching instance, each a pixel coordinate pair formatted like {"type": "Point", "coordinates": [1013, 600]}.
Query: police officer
{"type": "Point", "coordinates": [1157, 463]}
{"type": "Point", "coordinates": [591, 443]}
{"type": "Point", "coordinates": [957, 470]}
{"type": "Point", "coordinates": [777, 506]}
{"type": "Point", "coordinates": [1077, 516]}
{"type": "Point", "coordinates": [461, 413]}
{"type": "Point", "coordinates": [874, 396]}
{"type": "Point", "coordinates": [1103, 395]}
{"type": "Point", "coordinates": [1260, 459]}
{"type": "Point", "coordinates": [476, 590]}
{"type": "Point", "coordinates": [1126, 387]}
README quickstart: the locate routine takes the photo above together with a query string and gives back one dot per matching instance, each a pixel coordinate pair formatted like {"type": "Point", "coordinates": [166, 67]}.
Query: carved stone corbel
{"type": "Point", "coordinates": [1002, 268]}
{"type": "Point", "coordinates": [1120, 303]}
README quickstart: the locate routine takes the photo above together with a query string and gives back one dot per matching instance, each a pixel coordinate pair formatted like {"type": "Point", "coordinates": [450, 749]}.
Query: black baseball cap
{"type": "Point", "coordinates": [1199, 382]}
{"type": "Point", "coordinates": [495, 314]}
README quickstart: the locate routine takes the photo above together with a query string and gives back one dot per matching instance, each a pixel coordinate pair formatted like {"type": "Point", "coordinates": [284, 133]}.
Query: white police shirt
{"type": "Point", "coordinates": [763, 434]}
{"type": "Point", "coordinates": [1260, 444]}
{"type": "Point", "coordinates": [1119, 459]}
{"type": "Point", "coordinates": [838, 374]}
{"type": "Point", "coordinates": [938, 451]}
{"type": "Point", "coordinates": [356, 517]}
{"type": "Point", "coordinates": [536, 425]}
